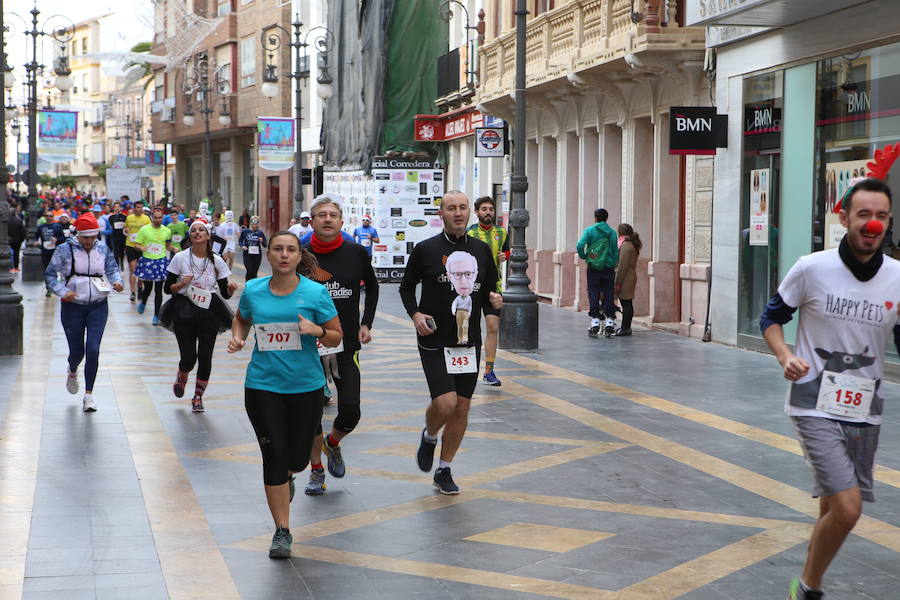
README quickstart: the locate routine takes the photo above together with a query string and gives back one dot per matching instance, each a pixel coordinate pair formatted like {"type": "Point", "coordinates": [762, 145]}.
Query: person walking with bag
{"type": "Point", "coordinates": [196, 314]}
{"type": "Point", "coordinates": [89, 273]}
{"type": "Point", "coordinates": [626, 275]}
{"type": "Point", "coordinates": [599, 248]}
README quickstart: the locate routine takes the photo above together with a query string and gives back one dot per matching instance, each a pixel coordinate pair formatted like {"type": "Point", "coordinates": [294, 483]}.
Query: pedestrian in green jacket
{"type": "Point", "coordinates": [599, 247]}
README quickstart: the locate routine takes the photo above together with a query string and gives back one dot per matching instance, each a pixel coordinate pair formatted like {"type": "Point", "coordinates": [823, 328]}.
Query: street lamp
{"type": "Point", "coordinates": [203, 83]}
{"type": "Point", "coordinates": [271, 42]}
{"type": "Point", "coordinates": [519, 317]}
{"type": "Point", "coordinates": [32, 270]}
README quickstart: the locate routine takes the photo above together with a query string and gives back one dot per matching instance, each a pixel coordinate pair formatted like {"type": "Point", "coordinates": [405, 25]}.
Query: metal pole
{"type": "Point", "coordinates": [519, 317]}
{"type": "Point", "coordinates": [166, 175]}
{"type": "Point", "coordinates": [298, 97]}
{"type": "Point", "coordinates": [207, 142]}
{"type": "Point", "coordinates": [32, 269]}
{"type": "Point", "coordinates": [11, 311]}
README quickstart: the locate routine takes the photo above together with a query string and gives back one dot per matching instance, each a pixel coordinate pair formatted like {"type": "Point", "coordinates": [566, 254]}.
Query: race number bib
{"type": "Point", "coordinates": [365, 242]}
{"type": "Point", "coordinates": [460, 360]}
{"type": "Point", "coordinates": [119, 225]}
{"type": "Point", "coordinates": [325, 350]}
{"type": "Point", "coordinates": [176, 239]}
{"type": "Point", "coordinates": [252, 249]}
{"type": "Point", "coordinates": [277, 336]}
{"type": "Point", "coordinates": [49, 244]}
{"type": "Point", "coordinates": [101, 284]}
{"type": "Point", "coordinates": [845, 395]}
{"type": "Point", "coordinates": [132, 237]}
{"type": "Point", "coordinates": [154, 248]}
{"type": "Point", "coordinates": [199, 297]}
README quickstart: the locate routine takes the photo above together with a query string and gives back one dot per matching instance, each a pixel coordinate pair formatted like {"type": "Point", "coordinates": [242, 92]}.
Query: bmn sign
{"type": "Point", "coordinates": [696, 130]}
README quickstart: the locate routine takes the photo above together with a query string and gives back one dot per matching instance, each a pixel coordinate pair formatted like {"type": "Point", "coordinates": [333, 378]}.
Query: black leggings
{"type": "Point", "coordinates": [251, 263]}
{"type": "Point", "coordinates": [285, 425]}
{"type": "Point", "coordinates": [149, 286]}
{"type": "Point", "coordinates": [348, 392]}
{"type": "Point", "coordinates": [627, 313]}
{"type": "Point", "coordinates": [196, 340]}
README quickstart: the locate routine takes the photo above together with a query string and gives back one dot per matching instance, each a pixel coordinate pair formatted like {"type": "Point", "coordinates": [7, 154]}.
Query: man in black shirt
{"type": "Point", "coordinates": [117, 239]}
{"type": "Point", "coordinates": [458, 279]}
{"type": "Point", "coordinates": [342, 265]}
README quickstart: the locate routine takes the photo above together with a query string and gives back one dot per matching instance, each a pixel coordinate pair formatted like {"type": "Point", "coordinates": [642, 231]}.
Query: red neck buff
{"type": "Point", "coordinates": [320, 247]}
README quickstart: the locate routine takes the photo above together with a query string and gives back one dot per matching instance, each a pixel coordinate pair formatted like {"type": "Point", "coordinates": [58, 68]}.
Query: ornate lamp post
{"type": "Point", "coordinates": [271, 42]}
{"type": "Point", "coordinates": [205, 84]}
{"type": "Point", "coordinates": [519, 318]}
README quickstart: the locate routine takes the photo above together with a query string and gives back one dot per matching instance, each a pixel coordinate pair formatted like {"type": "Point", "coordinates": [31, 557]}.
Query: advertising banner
{"type": "Point", "coordinates": [153, 163]}
{"type": "Point", "coordinates": [759, 207]}
{"type": "Point", "coordinates": [43, 165]}
{"type": "Point", "coordinates": [57, 135]}
{"type": "Point", "coordinates": [123, 182]}
{"type": "Point", "coordinates": [275, 142]}
{"type": "Point", "coordinates": [838, 176]}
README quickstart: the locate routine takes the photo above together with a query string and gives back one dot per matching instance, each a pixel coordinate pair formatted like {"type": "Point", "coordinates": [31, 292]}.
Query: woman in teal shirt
{"type": "Point", "coordinates": [283, 387]}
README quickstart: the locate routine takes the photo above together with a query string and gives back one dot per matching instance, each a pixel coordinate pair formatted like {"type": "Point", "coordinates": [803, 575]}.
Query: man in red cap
{"type": "Point", "coordinates": [82, 273]}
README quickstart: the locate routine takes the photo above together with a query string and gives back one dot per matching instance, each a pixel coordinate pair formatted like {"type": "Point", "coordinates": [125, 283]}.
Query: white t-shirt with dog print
{"type": "Point", "coordinates": [845, 326]}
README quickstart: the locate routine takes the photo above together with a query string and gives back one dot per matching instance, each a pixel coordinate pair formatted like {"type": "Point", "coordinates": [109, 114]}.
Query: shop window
{"type": "Point", "coordinates": [760, 185]}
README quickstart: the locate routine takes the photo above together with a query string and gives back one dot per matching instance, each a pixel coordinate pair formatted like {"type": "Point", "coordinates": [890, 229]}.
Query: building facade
{"type": "Point", "coordinates": [806, 112]}
{"type": "Point", "coordinates": [601, 78]}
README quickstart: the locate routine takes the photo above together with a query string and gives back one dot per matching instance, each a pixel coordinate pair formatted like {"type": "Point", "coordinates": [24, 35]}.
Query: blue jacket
{"type": "Point", "coordinates": [63, 275]}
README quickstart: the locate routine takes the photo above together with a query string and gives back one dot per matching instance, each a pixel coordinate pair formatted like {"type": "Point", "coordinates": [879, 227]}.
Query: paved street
{"type": "Point", "coordinates": [652, 467]}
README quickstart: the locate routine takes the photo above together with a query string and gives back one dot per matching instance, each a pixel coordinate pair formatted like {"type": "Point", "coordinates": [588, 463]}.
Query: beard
{"type": "Point", "coordinates": [486, 220]}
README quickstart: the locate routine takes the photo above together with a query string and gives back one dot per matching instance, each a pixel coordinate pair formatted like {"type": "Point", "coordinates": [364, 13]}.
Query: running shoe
{"type": "Point", "coordinates": [798, 592]}
{"type": "Point", "coordinates": [608, 331]}
{"type": "Point", "coordinates": [316, 485]}
{"type": "Point", "coordinates": [87, 404]}
{"type": "Point", "coordinates": [197, 404]}
{"type": "Point", "coordinates": [444, 482]}
{"type": "Point", "coordinates": [178, 386]}
{"type": "Point", "coordinates": [291, 487]}
{"type": "Point", "coordinates": [425, 455]}
{"type": "Point", "coordinates": [133, 298]}
{"type": "Point", "coordinates": [335, 459]}
{"type": "Point", "coordinates": [327, 392]}
{"type": "Point", "coordinates": [141, 307]}
{"type": "Point", "coordinates": [72, 382]}
{"type": "Point", "coordinates": [155, 320]}
{"type": "Point", "coordinates": [623, 332]}
{"type": "Point", "coordinates": [594, 331]}
{"type": "Point", "coordinates": [491, 379]}
{"type": "Point", "coordinates": [281, 543]}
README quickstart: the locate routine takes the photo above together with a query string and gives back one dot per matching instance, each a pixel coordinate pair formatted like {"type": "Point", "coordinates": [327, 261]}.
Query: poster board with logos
{"type": "Point", "coordinates": [123, 182]}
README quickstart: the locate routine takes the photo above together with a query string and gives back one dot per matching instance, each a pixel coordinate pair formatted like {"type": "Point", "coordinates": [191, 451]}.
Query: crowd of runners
{"type": "Point", "coordinates": [308, 330]}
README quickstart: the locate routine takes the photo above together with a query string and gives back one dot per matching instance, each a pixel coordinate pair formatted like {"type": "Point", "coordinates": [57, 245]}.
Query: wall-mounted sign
{"type": "Point", "coordinates": [490, 142]}
{"type": "Point", "coordinates": [696, 130]}
{"type": "Point", "coordinates": [448, 126]}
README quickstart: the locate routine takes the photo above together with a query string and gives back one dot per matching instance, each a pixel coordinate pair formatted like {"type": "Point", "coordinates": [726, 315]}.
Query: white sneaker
{"type": "Point", "coordinates": [72, 382]}
{"type": "Point", "coordinates": [595, 322]}
{"type": "Point", "coordinates": [87, 404]}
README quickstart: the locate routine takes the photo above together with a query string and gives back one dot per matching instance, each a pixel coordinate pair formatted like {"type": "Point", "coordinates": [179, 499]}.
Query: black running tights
{"type": "Point", "coordinates": [196, 340]}
{"type": "Point", "coordinates": [149, 286]}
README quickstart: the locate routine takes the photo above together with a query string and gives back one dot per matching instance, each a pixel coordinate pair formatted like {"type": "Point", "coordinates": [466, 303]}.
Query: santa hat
{"type": "Point", "coordinates": [205, 223]}
{"type": "Point", "coordinates": [87, 224]}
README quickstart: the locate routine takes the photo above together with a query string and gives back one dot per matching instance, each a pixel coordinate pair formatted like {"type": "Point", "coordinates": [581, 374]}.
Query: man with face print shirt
{"type": "Point", "coordinates": [848, 299]}
{"type": "Point", "coordinates": [449, 349]}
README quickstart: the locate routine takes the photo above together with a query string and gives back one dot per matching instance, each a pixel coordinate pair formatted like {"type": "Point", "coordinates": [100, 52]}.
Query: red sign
{"type": "Point", "coordinates": [449, 126]}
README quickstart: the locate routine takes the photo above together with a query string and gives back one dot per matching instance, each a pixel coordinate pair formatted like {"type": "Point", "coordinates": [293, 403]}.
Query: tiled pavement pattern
{"type": "Point", "coordinates": [650, 467]}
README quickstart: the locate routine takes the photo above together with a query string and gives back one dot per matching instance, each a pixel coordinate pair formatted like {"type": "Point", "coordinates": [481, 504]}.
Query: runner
{"type": "Point", "coordinates": [342, 266]}
{"type": "Point", "coordinates": [365, 236]}
{"type": "Point", "coordinates": [498, 241]}
{"type": "Point", "coordinates": [133, 223]}
{"type": "Point", "coordinates": [179, 230]}
{"type": "Point", "coordinates": [846, 297]}
{"type": "Point", "coordinates": [153, 241]}
{"type": "Point", "coordinates": [89, 273]}
{"type": "Point", "coordinates": [195, 313]}
{"type": "Point", "coordinates": [117, 221]}
{"type": "Point", "coordinates": [458, 280]}
{"type": "Point", "coordinates": [229, 231]}
{"type": "Point", "coordinates": [252, 242]}
{"type": "Point", "coordinates": [302, 227]}
{"type": "Point", "coordinates": [49, 235]}
{"type": "Point", "coordinates": [283, 386]}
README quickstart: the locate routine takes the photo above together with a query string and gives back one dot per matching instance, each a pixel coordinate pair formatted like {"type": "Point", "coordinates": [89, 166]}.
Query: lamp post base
{"type": "Point", "coordinates": [519, 322]}
{"type": "Point", "coordinates": [32, 267]}
{"type": "Point", "coordinates": [11, 319]}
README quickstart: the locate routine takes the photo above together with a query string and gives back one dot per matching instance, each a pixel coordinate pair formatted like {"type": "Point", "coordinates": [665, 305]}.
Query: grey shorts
{"type": "Point", "coordinates": [841, 454]}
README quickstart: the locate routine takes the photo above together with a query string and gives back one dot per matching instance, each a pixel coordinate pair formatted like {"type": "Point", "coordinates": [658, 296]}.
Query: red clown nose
{"type": "Point", "coordinates": [874, 227]}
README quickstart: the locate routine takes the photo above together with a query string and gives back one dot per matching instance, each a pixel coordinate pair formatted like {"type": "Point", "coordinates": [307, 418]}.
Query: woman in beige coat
{"type": "Point", "coordinates": [626, 274]}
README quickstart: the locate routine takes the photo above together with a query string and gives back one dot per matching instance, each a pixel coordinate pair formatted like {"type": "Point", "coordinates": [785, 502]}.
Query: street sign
{"type": "Point", "coordinates": [490, 142]}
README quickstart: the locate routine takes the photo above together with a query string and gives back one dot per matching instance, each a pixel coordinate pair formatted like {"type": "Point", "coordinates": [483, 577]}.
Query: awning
{"type": "Point", "coordinates": [762, 13]}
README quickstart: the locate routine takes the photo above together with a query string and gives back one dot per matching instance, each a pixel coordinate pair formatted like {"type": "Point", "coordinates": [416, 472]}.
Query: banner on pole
{"type": "Point", "coordinates": [58, 135]}
{"type": "Point", "coordinates": [153, 163]}
{"type": "Point", "coordinates": [275, 143]}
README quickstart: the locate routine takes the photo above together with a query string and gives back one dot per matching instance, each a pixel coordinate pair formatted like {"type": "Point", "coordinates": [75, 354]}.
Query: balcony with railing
{"type": "Point", "coordinates": [585, 35]}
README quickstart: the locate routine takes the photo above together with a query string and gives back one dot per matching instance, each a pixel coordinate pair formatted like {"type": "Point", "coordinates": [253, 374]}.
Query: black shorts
{"type": "Point", "coordinates": [440, 382]}
{"type": "Point", "coordinates": [132, 254]}
{"type": "Point", "coordinates": [348, 391]}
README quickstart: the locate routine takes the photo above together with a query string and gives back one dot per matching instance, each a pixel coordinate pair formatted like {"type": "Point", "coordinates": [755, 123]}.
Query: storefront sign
{"type": "Point", "coordinates": [703, 12]}
{"type": "Point", "coordinates": [759, 207]}
{"type": "Point", "coordinates": [490, 142]}
{"type": "Point", "coordinates": [275, 143]}
{"type": "Point", "coordinates": [859, 100]}
{"type": "Point", "coordinates": [696, 130]}
{"type": "Point", "coordinates": [449, 126]}
{"type": "Point", "coordinates": [762, 117]}
{"type": "Point", "coordinates": [57, 135]}
{"type": "Point", "coordinates": [721, 35]}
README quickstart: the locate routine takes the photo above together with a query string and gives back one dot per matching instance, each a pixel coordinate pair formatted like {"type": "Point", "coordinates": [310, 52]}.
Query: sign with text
{"type": "Point", "coordinates": [58, 135]}
{"type": "Point", "coordinates": [696, 130]}
{"type": "Point", "coordinates": [449, 126]}
{"type": "Point", "coordinates": [275, 143]}
{"type": "Point", "coordinates": [123, 182]}
{"type": "Point", "coordinates": [490, 142]}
